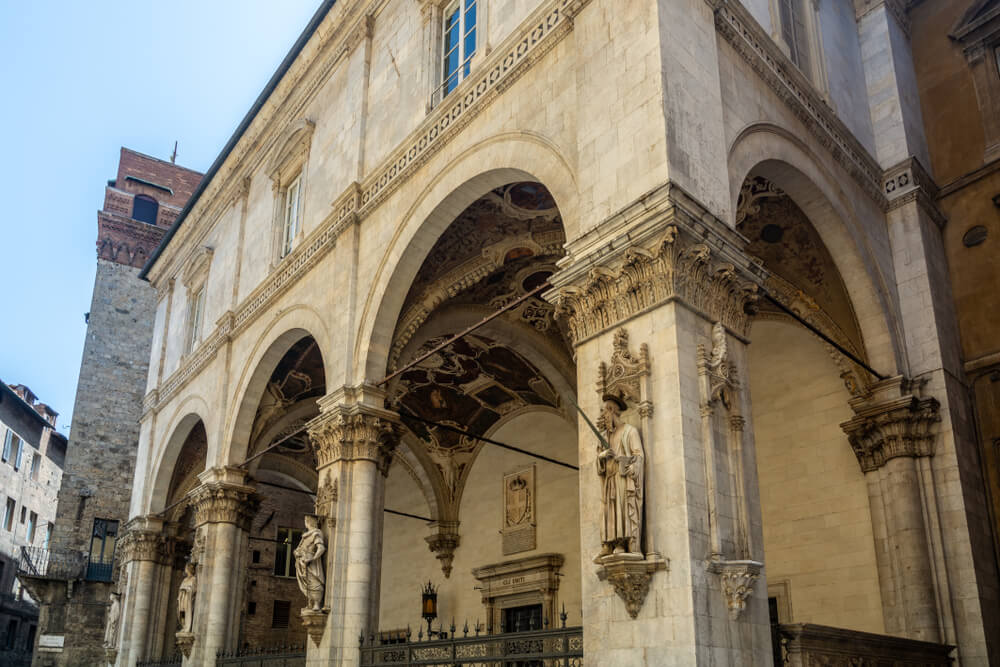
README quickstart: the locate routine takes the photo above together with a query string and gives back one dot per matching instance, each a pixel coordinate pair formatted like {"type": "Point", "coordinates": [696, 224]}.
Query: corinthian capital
{"type": "Point", "coordinates": [895, 421]}
{"type": "Point", "coordinates": [662, 248]}
{"type": "Point", "coordinates": [354, 432]}
{"type": "Point", "coordinates": [143, 539]}
{"type": "Point", "coordinates": [222, 499]}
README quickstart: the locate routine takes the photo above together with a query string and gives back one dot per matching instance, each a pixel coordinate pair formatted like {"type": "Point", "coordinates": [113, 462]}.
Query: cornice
{"type": "Point", "coordinates": [758, 49]}
{"type": "Point", "coordinates": [506, 64]}
{"type": "Point", "coordinates": [909, 182]}
{"type": "Point", "coordinates": [896, 8]}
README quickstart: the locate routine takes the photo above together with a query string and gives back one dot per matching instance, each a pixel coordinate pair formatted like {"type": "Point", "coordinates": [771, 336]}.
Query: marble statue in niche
{"type": "Point", "coordinates": [185, 598]}
{"type": "Point", "coordinates": [114, 618]}
{"type": "Point", "coordinates": [309, 563]}
{"type": "Point", "coordinates": [620, 464]}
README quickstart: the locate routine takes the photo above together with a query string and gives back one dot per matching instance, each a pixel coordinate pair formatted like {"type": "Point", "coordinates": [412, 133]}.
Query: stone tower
{"type": "Point", "coordinates": [80, 571]}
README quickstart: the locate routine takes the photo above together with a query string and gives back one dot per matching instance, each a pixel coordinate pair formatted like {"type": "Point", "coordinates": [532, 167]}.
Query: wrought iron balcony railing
{"type": "Point", "coordinates": [44, 563]}
{"type": "Point", "coordinates": [561, 647]}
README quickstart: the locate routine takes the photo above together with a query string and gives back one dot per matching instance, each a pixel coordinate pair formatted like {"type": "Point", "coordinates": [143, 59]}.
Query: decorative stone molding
{"type": "Point", "coordinates": [443, 543]}
{"type": "Point", "coordinates": [896, 8]}
{"type": "Point", "coordinates": [808, 645]}
{"type": "Point", "coordinates": [892, 423]}
{"type": "Point", "coordinates": [326, 499]}
{"type": "Point", "coordinates": [737, 578]}
{"type": "Point", "coordinates": [185, 642]}
{"type": "Point", "coordinates": [143, 539]}
{"type": "Point", "coordinates": [220, 499]}
{"type": "Point", "coordinates": [907, 182]}
{"type": "Point", "coordinates": [110, 654]}
{"type": "Point", "coordinates": [669, 255]}
{"type": "Point", "coordinates": [524, 581]}
{"type": "Point", "coordinates": [630, 574]}
{"type": "Point", "coordinates": [315, 623]}
{"type": "Point", "coordinates": [759, 50]}
{"type": "Point", "coordinates": [350, 427]}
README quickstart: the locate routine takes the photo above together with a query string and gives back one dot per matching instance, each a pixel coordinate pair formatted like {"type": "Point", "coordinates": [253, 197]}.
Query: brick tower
{"type": "Point", "coordinates": [74, 579]}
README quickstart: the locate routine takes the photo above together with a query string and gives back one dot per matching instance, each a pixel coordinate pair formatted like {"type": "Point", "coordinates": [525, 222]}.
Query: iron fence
{"type": "Point", "coordinates": [99, 571]}
{"type": "Point", "coordinates": [561, 647]}
{"type": "Point", "coordinates": [51, 564]}
{"type": "Point", "coordinates": [276, 656]}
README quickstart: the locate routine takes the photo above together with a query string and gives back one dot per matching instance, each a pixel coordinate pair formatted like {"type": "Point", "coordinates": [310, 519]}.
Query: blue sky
{"type": "Point", "coordinates": [80, 80]}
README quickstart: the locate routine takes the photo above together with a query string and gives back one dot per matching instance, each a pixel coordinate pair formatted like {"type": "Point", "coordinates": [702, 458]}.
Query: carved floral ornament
{"type": "Point", "coordinates": [886, 430]}
{"type": "Point", "coordinates": [737, 578]}
{"type": "Point", "coordinates": [216, 502]}
{"type": "Point", "coordinates": [675, 266]}
{"type": "Point", "coordinates": [443, 543]}
{"type": "Point", "coordinates": [348, 435]}
{"type": "Point", "coordinates": [138, 545]}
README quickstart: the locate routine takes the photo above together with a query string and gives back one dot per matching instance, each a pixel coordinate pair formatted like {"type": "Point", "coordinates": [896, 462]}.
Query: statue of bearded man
{"type": "Point", "coordinates": [620, 466]}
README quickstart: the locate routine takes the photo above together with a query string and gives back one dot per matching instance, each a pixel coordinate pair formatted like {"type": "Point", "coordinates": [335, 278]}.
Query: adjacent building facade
{"type": "Point", "coordinates": [74, 576]}
{"type": "Point", "coordinates": [727, 230]}
{"type": "Point", "coordinates": [31, 470]}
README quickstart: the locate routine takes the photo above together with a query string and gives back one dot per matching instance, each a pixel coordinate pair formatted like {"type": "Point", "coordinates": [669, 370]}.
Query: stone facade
{"type": "Point", "coordinates": [31, 471]}
{"type": "Point", "coordinates": [105, 430]}
{"type": "Point", "coordinates": [686, 176]}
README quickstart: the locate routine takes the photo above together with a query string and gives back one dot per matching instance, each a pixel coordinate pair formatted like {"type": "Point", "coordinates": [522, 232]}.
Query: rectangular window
{"type": "Point", "coordinates": [48, 535]}
{"type": "Point", "coordinates": [290, 220]}
{"type": "Point", "coordinates": [18, 446]}
{"type": "Point", "coordinates": [7, 445]}
{"type": "Point", "coordinates": [195, 310]}
{"type": "Point", "coordinates": [458, 43]}
{"type": "Point", "coordinates": [102, 550]}
{"type": "Point", "coordinates": [279, 616]}
{"type": "Point", "coordinates": [32, 522]}
{"type": "Point", "coordinates": [793, 31]}
{"type": "Point", "coordinates": [8, 515]}
{"type": "Point", "coordinates": [36, 461]}
{"type": "Point", "coordinates": [284, 560]}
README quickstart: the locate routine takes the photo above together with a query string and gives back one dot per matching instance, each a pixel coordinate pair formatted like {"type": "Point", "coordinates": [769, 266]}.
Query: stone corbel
{"type": "Point", "coordinates": [630, 574]}
{"type": "Point", "coordinates": [315, 624]}
{"type": "Point", "coordinates": [185, 642]}
{"type": "Point", "coordinates": [110, 654]}
{"type": "Point", "coordinates": [737, 578]}
{"type": "Point", "coordinates": [894, 421]}
{"type": "Point", "coordinates": [443, 543]}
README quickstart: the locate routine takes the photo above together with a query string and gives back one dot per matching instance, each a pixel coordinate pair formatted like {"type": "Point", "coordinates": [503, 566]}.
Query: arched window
{"type": "Point", "coordinates": [144, 209]}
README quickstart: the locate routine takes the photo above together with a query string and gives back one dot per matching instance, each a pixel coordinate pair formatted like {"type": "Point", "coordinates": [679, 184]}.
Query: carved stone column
{"type": "Point", "coordinates": [353, 439]}
{"type": "Point", "coordinates": [143, 550]}
{"type": "Point", "coordinates": [658, 299]}
{"type": "Point", "coordinates": [223, 509]}
{"type": "Point", "coordinates": [893, 436]}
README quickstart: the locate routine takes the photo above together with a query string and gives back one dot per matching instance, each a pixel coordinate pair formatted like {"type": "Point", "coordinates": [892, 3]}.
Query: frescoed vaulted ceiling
{"type": "Point", "coordinates": [785, 240]}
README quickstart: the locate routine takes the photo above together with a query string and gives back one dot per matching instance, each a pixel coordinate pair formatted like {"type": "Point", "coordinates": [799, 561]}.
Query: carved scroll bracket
{"type": "Point", "coordinates": [630, 575]}
{"type": "Point", "coordinates": [315, 623]}
{"type": "Point", "coordinates": [443, 543]}
{"type": "Point", "coordinates": [737, 578]}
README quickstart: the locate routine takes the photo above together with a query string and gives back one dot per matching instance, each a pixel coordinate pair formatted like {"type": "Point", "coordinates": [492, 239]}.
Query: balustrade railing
{"type": "Point", "coordinates": [561, 647]}
{"type": "Point", "coordinates": [51, 563]}
{"type": "Point", "coordinates": [804, 645]}
{"type": "Point", "coordinates": [275, 656]}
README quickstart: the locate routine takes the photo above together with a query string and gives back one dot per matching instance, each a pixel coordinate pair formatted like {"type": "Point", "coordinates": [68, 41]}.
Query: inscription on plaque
{"type": "Point", "coordinates": [519, 511]}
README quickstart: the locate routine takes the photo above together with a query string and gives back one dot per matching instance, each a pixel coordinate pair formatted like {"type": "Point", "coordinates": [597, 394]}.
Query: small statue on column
{"type": "Point", "coordinates": [185, 598]}
{"type": "Point", "coordinates": [620, 462]}
{"type": "Point", "coordinates": [114, 618]}
{"type": "Point", "coordinates": [309, 570]}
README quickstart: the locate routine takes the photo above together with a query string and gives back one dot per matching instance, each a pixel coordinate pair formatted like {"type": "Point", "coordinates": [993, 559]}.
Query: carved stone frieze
{"type": "Point", "coordinates": [676, 265]}
{"type": "Point", "coordinates": [315, 623]}
{"type": "Point", "coordinates": [219, 502]}
{"type": "Point", "coordinates": [889, 427]}
{"type": "Point", "coordinates": [347, 433]}
{"type": "Point", "coordinates": [443, 543]}
{"type": "Point", "coordinates": [630, 574]}
{"type": "Point", "coordinates": [737, 578]}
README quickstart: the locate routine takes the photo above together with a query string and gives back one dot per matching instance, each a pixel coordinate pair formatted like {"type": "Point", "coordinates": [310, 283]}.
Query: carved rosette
{"type": "Point", "coordinates": [737, 578]}
{"type": "Point", "coordinates": [219, 502]}
{"type": "Point", "coordinates": [443, 544]}
{"type": "Point", "coordinates": [889, 429]}
{"type": "Point", "coordinates": [629, 575]}
{"type": "Point", "coordinates": [345, 434]}
{"type": "Point", "coordinates": [315, 623]}
{"type": "Point", "coordinates": [674, 266]}
{"type": "Point", "coordinates": [185, 642]}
